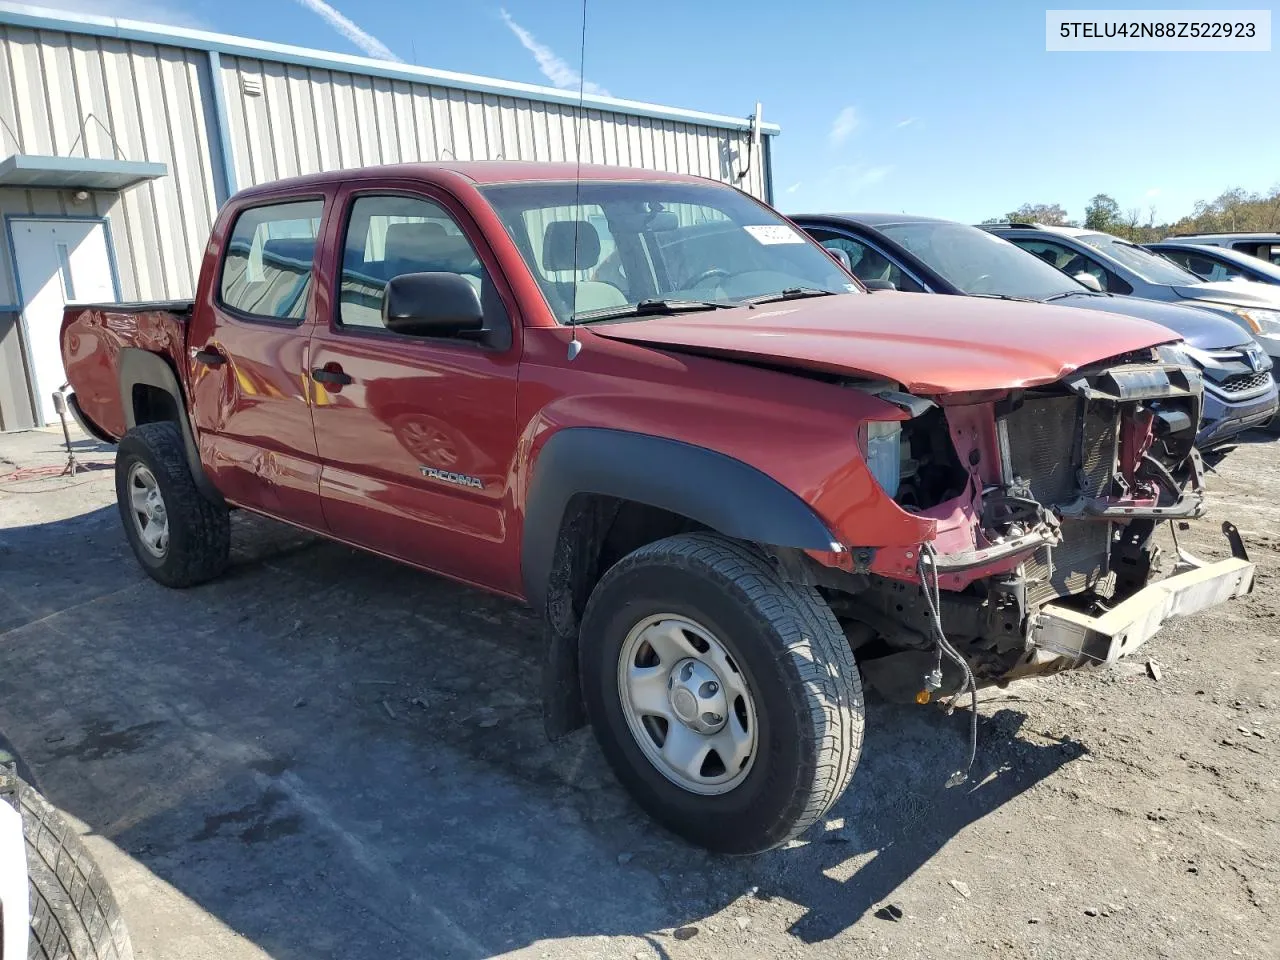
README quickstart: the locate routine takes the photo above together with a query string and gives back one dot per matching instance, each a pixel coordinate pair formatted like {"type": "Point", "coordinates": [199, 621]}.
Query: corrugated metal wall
{"type": "Point", "coordinates": [75, 95]}
{"type": "Point", "coordinates": [306, 120]}
{"type": "Point", "coordinates": [99, 96]}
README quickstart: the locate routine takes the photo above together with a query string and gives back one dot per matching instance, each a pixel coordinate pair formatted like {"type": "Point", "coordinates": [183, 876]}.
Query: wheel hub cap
{"type": "Point", "coordinates": [150, 519]}
{"type": "Point", "coordinates": [687, 704]}
{"type": "Point", "coordinates": [697, 696]}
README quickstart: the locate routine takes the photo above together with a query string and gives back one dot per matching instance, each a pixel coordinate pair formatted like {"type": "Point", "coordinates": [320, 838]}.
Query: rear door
{"type": "Point", "coordinates": [416, 435]}
{"type": "Point", "coordinates": [248, 344]}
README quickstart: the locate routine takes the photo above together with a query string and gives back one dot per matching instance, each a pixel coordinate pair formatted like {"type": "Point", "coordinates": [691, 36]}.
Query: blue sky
{"type": "Point", "coordinates": [930, 107]}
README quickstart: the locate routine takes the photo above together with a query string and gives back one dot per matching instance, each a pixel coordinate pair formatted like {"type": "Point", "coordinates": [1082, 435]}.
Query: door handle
{"type": "Point", "coordinates": [209, 357]}
{"type": "Point", "coordinates": [331, 376]}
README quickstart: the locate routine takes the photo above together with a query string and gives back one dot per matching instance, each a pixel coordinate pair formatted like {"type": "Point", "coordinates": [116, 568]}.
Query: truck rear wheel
{"type": "Point", "coordinates": [726, 700]}
{"type": "Point", "coordinates": [180, 537]}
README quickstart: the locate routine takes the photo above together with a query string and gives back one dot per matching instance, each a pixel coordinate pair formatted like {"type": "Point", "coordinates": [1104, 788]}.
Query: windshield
{"type": "Point", "coordinates": [978, 262]}
{"type": "Point", "coordinates": [1151, 267]}
{"type": "Point", "coordinates": [638, 242]}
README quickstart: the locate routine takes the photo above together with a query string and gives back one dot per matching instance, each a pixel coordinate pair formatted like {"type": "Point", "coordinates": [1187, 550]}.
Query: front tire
{"type": "Point", "coordinates": [726, 699]}
{"type": "Point", "coordinates": [180, 537]}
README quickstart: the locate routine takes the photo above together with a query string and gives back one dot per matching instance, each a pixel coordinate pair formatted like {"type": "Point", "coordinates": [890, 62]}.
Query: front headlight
{"type": "Point", "coordinates": [882, 448]}
{"type": "Point", "coordinates": [1260, 321]}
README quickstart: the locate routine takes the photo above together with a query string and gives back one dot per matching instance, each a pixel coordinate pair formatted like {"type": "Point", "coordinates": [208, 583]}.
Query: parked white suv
{"type": "Point", "coordinates": [1126, 268]}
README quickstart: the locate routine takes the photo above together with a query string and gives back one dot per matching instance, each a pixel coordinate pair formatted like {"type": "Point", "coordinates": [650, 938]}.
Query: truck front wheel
{"type": "Point", "coordinates": [726, 699]}
{"type": "Point", "coordinates": [180, 537]}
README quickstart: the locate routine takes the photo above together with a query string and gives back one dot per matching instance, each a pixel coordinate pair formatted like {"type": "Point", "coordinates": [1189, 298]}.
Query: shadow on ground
{"type": "Point", "coordinates": [338, 756]}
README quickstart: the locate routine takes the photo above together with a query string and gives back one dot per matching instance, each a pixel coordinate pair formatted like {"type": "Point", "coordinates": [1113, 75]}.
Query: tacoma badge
{"type": "Point", "coordinates": [457, 479]}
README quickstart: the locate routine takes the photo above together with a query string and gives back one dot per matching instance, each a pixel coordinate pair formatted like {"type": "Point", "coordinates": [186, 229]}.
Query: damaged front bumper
{"type": "Point", "coordinates": [1063, 638]}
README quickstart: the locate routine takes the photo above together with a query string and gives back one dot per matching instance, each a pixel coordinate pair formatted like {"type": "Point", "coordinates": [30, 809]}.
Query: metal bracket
{"type": "Point", "coordinates": [1237, 542]}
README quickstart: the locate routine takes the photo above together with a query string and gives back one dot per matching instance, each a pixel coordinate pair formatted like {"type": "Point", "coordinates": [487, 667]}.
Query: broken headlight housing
{"type": "Point", "coordinates": [881, 442]}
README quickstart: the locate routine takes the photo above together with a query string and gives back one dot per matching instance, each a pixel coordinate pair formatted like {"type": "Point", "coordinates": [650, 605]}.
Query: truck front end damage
{"type": "Point", "coordinates": [1043, 503]}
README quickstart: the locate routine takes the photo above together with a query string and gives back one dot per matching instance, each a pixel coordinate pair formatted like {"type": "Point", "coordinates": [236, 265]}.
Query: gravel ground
{"type": "Point", "coordinates": [324, 754]}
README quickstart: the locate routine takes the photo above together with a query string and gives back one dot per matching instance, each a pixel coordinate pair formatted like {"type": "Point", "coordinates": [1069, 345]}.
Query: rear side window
{"type": "Point", "coordinates": [266, 270]}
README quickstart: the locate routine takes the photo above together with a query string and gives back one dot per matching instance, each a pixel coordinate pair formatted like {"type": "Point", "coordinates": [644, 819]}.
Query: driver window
{"type": "Point", "coordinates": [1069, 261]}
{"type": "Point", "coordinates": [868, 263]}
{"type": "Point", "coordinates": [390, 236]}
{"type": "Point", "coordinates": [1215, 270]}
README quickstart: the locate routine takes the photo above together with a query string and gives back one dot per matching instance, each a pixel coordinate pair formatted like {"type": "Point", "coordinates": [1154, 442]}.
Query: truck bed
{"type": "Point", "coordinates": [93, 338]}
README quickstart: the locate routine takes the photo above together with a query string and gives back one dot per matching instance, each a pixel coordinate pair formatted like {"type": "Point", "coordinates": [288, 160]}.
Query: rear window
{"type": "Point", "coordinates": [266, 269]}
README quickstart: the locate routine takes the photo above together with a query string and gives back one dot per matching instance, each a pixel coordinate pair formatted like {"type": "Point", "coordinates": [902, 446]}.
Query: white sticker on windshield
{"type": "Point", "coordinates": [773, 233]}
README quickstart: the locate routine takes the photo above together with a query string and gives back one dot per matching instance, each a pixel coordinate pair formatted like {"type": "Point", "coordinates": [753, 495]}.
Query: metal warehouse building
{"type": "Point", "coordinates": [121, 139]}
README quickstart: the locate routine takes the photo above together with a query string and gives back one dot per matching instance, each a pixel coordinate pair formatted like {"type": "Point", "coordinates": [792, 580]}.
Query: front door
{"type": "Point", "coordinates": [60, 261]}
{"type": "Point", "coordinates": [416, 435]}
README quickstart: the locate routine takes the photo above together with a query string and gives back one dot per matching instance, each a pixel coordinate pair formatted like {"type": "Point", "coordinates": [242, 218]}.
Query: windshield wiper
{"type": "Point", "coordinates": [1004, 296]}
{"type": "Point", "coordinates": [791, 293]}
{"type": "Point", "coordinates": [655, 307]}
{"type": "Point", "coordinates": [1073, 293]}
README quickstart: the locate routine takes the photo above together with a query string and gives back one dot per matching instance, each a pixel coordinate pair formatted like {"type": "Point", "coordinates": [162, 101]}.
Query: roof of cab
{"type": "Point", "coordinates": [479, 172]}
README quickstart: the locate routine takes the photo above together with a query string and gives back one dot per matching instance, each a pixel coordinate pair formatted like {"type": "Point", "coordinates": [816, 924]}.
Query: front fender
{"type": "Point", "coordinates": [715, 490]}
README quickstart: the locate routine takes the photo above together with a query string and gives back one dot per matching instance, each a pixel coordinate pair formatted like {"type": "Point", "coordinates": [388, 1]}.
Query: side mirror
{"type": "Point", "coordinates": [1089, 280]}
{"type": "Point", "coordinates": [841, 257]}
{"type": "Point", "coordinates": [433, 305]}
{"type": "Point", "coordinates": [874, 285]}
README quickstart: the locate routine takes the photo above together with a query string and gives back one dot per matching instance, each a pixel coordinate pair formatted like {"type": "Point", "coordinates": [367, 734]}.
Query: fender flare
{"type": "Point", "coordinates": [138, 366]}
{"type": "Point", "coordinates": [718, 491]}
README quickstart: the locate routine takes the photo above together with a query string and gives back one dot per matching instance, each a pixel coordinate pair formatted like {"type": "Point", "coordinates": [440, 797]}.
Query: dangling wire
{"type": "Point", "coordinates": [933, 599]}
{"type": "Point", "coordinates": [574, 345]}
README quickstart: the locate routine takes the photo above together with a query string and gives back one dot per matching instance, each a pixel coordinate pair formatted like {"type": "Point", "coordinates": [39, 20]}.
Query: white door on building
{"type": "Point", "coordinates": [59, 262]}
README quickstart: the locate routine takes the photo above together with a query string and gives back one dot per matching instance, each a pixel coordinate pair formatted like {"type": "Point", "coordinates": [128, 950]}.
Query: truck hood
{"type": "Point", "coordinates": [1236, 293]}
{"type": "Point", "coordinates": [1200, 328]}
{"type": "Point", "coordinates": [929, 344]}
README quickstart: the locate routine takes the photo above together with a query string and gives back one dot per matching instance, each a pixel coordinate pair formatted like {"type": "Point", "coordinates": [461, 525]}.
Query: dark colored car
{"type": "Point", "coordinates": [928, 255]}
{"type": "Point", "coordinates": [1215, 264]}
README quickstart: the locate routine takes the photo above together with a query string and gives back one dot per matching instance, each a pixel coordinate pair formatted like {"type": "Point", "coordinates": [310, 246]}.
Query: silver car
{"type": "Point", "coordinates": [1118, 266]}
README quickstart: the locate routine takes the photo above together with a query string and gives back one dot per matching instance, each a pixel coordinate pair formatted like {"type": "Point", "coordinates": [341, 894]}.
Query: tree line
{"type": "Point", "coordinates": [1234, 210]}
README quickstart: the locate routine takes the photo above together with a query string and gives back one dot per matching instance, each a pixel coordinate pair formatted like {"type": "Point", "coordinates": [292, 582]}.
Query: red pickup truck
{"type": "Point", "coordinates": [737, 483]}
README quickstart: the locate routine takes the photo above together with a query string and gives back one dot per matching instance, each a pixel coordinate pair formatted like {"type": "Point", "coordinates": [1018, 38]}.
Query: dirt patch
{"type": "Point", "coordinates": [357, 749]}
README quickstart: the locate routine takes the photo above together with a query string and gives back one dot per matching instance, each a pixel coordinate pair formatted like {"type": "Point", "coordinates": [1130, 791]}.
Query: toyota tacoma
{"type": "Point", "coordinates": [736, 485]}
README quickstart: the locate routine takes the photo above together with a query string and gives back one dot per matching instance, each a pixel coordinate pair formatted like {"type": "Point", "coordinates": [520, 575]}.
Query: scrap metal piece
{"type": "Point", "coordinates": [1080, 637]}
{"type": "Point", "coordinates": [1237, 542]}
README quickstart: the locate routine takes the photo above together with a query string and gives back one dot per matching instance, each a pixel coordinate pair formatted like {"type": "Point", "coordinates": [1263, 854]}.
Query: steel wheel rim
{"type": "Point", "coordinates": [703, 740]}
{"type": "Point", "coordinates": [146, 507]}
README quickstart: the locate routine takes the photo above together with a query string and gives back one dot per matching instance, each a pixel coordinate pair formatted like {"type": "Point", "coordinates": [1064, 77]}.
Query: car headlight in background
{"type": "Point", "coordinates": [882, 449]}
{"type": "Point", "coordinates": [1260, 321]}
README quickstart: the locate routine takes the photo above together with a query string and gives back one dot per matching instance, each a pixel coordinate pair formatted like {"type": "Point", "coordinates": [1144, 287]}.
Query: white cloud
{"type": "Point", "coordinates": [552, 66]}
{"type": "Point", "coordinates": [365, 41]}
{"type": "Point", "coordinates": [793, 188]}
{"type": "Point", "coordinates": [906, 123]}
{"type": "Point", "coordinates": [1153, 192]}
{"type": "Point", "coordinates": [844, 182]}
{"type": "Point", "coordinates": [843, 125]}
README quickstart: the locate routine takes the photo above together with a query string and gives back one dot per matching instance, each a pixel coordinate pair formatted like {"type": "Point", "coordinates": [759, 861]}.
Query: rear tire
{"type": "Point", "coordinates": [794, 720]}
{"type": "Point", "coordinates": [74, 915]}
{"type": "Point", "coordinates": [180, 537]}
